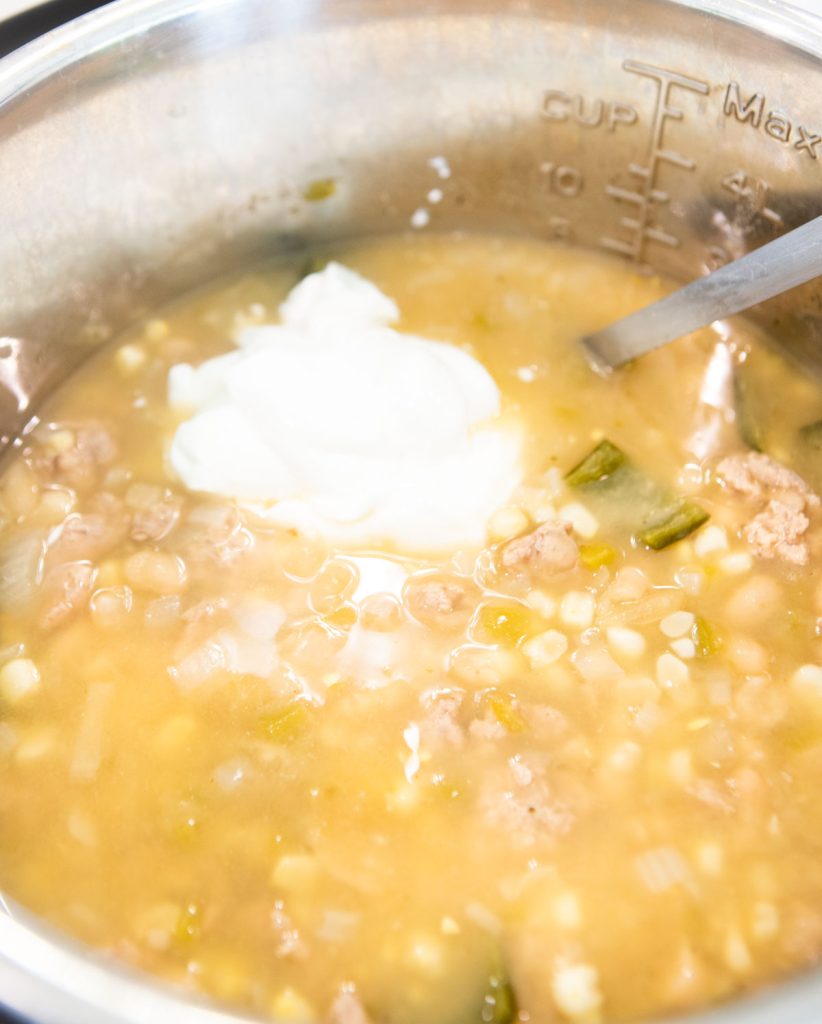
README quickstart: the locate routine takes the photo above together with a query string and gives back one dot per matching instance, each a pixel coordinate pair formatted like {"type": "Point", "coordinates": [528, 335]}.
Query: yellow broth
{"type": "Point", "coordinates": [593, 796]}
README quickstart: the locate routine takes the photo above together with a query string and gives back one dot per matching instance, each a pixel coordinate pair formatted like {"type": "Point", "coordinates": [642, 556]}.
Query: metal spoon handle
{"type": "Point", "coordinates": [788, 261]}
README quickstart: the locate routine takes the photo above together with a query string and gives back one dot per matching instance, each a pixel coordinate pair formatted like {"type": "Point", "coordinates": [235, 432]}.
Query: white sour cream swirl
{"type": "Point", "coordinates": [334, 423]}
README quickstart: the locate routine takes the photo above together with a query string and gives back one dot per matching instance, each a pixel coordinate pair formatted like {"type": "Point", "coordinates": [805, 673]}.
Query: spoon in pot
{"type": "Point", "coordinates": [788, 261]}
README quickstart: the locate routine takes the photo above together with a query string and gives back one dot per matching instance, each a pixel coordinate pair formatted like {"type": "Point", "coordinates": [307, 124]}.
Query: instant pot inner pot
{"type": "Point", "coordinates": [153, 145]}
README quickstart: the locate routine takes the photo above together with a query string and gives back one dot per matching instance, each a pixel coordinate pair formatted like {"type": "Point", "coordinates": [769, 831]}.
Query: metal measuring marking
{"type": "Point", "coordinates": [647, 194]}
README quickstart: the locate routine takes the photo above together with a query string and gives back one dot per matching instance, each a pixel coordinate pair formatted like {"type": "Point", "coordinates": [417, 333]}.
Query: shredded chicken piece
{"type": "Point", "coordinates": [777, 530]}
{"type": "Point", "coordinates": [440, 725]}
{"type": "Point", "coordinates": [548, 550]}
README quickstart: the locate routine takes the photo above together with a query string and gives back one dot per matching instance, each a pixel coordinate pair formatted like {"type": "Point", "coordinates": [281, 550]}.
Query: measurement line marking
{"type": "Point", "coordinates": [648, 196]}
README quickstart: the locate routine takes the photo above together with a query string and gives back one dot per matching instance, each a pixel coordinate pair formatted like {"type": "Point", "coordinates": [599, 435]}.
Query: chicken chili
{"type": "Point", "coordinates": [366, 659]}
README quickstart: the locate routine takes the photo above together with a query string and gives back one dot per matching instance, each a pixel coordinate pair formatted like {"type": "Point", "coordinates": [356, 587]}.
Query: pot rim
{"type": "Point", "coordinates": [25, 68]}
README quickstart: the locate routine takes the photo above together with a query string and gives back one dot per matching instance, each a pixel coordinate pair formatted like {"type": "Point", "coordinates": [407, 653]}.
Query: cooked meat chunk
{"type": "Point", "coordinates": [487, 728]}
{"type": "Point", "coordinates": [440, 726]}
{"type": "Point", "coordinates": [90, 535]}
{"type": "Point", "coordinates": [66, 590]}
{"type": "Point", "coordinates": [439, 601]}
{"type": "Point", "coordinates": [155, 512]}
{"type": "Point", "coordinates": [214, 533]}
{"type": "Point", "coordinates": [75, 455]}
{"type": "Point", "coordinates": [523, 808]}
{"type": "Point", "coordinates": [777, 530]}
{"type": "Point", "coordinates": [547, 723]}
{"type": "Point", "coordinates": [347, 1008]}
{"type": "Point", "coordinates": [437, 598]}
{"type": "Point", "coordinates": [548, 550]}
{"type": "Point", "coordinates": [205, 610]}
{"type": "Point", "coordinates": [756, 475]}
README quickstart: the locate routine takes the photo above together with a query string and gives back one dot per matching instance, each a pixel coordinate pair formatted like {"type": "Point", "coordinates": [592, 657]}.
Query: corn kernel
{"type": "Point", "coordinates": [54, 505]}
{"type": "Point", "coordinates": [155, 925]}
{"type": "Point", "coordinates": [624, 642]}
{"type": "Point", "coordinates": [130, 358]}
{"type": "Point", "coordinates": [566, 911]}
{"type": "Point", "coordinates": [484, 666]}
{"type": "Point", "coordinates": [684, 648]}
{"type": "Point", "coordinates": [156, 330]}
{"type": "Point", "coordinates": [426, 955]}
{"type": "Point", "coordinates": [36, 745]}
{"type": "Point", "coordinates": [543, 604]}
{"type": "Point", "coordinates": [19, 678]}
{"type": "Point", "coordinates": [539, 507]}
{"type": "Point", "coordinates": [583, 522]}
{"type": "Point", "coordinates": [681, 767]}
{"type": "Point", "coordinates": [710, 541]}
{"type": "Point", "coordinates": [576, 992]}
{"type": "Point", "coordinates": [175, 735]}
{"type": "Point", "coordinates": [736, 563]}
{"type": "Point", "coordinates": [677, 624]}
{"type": "Point", "coordinates": [710, 859]}
{"type": "Point", "coordinates": [765, 921]}
{"type": "Point", "coordinates": [404, 798]}
{"type": "Point", "coordinates": [577, 609]}
{"type": "Point", "coordinates": [60, 441]}
{"type": "Point", "coordinates": [290, 1007]}
{"type": "Point", "coordinates": [807, 680]}
{"type": "Point", "coordinates": [295, 871]}
{"type": "Point", "coordinates": [671, 671]}
{"type": "Point", "coordinates": [506, 523]}
{"type": "Point", "coordinates": [737, 954]}
{"type": "Point", "coordinates": [545, 648]}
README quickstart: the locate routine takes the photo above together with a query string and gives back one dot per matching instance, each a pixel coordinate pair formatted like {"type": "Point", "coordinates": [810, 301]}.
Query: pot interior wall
{"type": "Point", "coordinates": [152, 158]}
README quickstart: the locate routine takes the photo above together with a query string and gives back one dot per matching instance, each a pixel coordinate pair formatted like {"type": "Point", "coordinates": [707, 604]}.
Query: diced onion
{"type": "Point", "coordinates": [662, 868]}
{"type": "Point", "coordinates": [88, 747]}
{"type": "Point", "coordinates": [338, 926]}
{"type": "Point", "coordinates": [230, 774]}
{"type": "Point", "coordinates": [21, 562]}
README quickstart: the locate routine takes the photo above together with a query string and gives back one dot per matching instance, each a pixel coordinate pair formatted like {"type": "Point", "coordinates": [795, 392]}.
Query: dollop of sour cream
{"type": "Point", "coordinates": [337, 424]}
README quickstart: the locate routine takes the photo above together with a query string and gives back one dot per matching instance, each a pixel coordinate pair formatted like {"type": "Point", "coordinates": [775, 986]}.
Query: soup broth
{"type": "Point", "coordinates": [569, 775]}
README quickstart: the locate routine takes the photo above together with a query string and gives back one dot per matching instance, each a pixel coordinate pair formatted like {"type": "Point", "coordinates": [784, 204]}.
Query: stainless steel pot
{"type": "Point", "coordinates": [154, 143]}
